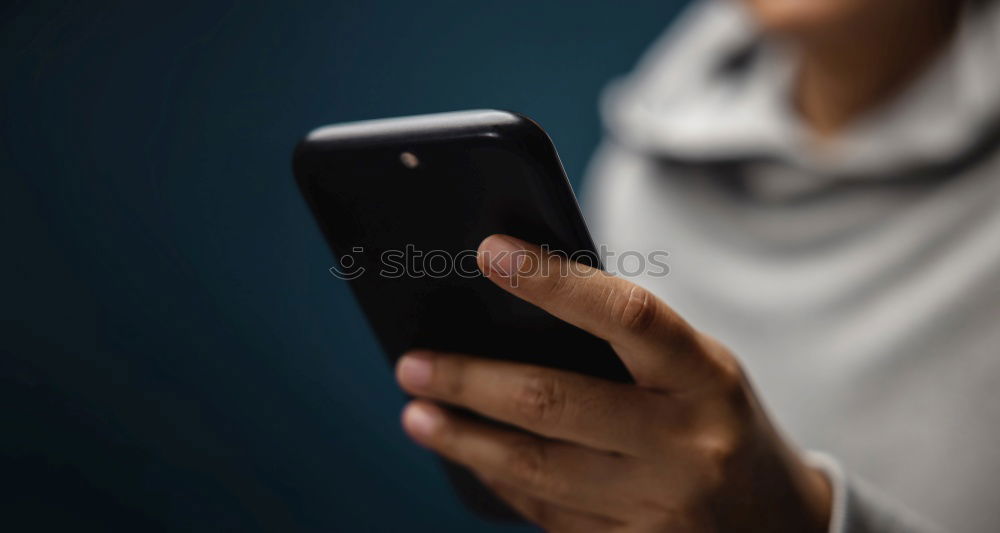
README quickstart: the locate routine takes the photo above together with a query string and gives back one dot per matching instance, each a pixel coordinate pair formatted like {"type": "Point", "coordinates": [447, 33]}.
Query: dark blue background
{"type": "Point", "coordinates": [176, 355]}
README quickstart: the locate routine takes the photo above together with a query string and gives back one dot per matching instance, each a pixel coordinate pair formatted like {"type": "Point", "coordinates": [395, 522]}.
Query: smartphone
{"type": "Point", "coordinates": [404, 203]}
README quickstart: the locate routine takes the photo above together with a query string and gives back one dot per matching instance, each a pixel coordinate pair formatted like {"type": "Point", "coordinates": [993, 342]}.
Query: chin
{"type": "Point", "coordinates": [808, 18]}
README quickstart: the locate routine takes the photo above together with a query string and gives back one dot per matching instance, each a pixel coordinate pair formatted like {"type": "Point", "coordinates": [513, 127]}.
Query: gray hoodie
{"type": "Point", "coordinates": [858, 281]}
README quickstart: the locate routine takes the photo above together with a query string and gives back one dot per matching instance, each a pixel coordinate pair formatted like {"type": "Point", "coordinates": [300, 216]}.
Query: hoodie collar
{"type": "Point", "coordinates": [711, 91]}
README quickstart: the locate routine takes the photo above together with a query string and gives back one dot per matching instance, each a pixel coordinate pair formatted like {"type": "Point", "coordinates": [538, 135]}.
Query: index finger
{"type": "Point", "coordinates": [659, 347]}
{"type": "Point", "coordinates": [553, 403]}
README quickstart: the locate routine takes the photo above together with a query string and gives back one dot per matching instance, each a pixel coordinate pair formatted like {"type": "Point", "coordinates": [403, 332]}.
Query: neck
{"type": "Point", "coordinates": [840, 77]}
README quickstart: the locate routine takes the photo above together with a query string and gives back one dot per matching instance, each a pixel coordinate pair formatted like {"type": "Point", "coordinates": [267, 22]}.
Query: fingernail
{"type": "Point", "coordinates": [421, 421]}
{"type": "Point", "coordinates": [504, 255]}
{"type": "Point", "coordinates": [415, 370]}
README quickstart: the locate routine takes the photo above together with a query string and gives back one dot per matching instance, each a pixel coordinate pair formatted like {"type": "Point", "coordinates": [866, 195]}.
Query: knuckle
{"type": "Point", "coordinates": [449, 377]}
{"type": "Point", "coordinates": [542, 514]}
{"type": "Point", "coordinates": [635, 310]}
{"type": "Point", "coordinates": [541, 399]}
{"type": "Point", "coordinates": [722, 454]}
{"type": "Point", "coordinates": [531, 268]}
{"type": "Point", "coordinates": [553, 282]}
{"type": "Point", "coordinates": [526, 463]}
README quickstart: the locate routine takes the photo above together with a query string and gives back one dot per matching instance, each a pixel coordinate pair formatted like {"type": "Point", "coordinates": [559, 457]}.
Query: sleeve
{"type": "Point", "coordinates": [860, 508]}
{"type": "Point", "coordinates": [602, 194]}
{"type": "Point", "coordinates": [857, 506]}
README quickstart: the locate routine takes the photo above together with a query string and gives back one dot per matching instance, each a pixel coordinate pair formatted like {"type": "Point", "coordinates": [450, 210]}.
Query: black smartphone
{"type": "Point", "coordinates": [404, 203]}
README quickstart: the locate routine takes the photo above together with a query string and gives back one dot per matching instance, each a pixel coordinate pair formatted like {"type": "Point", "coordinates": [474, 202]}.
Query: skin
{"type": "Point", "coordinates": [855, 55]}
{"type": "Point", "coordinates": [688, 447]}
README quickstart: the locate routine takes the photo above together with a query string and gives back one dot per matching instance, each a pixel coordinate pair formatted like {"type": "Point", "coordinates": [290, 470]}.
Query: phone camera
{"type": "Point", "coordinates": [409, 160]}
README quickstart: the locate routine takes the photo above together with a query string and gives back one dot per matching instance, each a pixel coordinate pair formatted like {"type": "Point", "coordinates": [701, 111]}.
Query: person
{"type": "Point", "coordinates": [824, 177]}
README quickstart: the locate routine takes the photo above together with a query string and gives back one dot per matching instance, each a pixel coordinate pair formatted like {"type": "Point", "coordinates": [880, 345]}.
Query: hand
{"type": "Point", "coordinates": [686, 448]}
